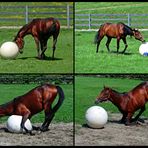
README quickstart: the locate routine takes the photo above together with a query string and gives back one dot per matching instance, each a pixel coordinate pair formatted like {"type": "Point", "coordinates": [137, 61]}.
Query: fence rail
{"type": "Point", "coordinates": [93, 21]}
{"type": "Point", "coordinates": [20, 15]}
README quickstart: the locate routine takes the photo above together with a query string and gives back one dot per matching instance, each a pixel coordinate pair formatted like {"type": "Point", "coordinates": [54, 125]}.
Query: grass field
{"type": "Point", "coordinates": [64, 114]}
{"type": "Point", "coordinates": [28, 63]}
{"type": "Point", "coordinates": [87, 89]}
{"type": "Point", "coordinates": [111, 7]}
{"type": "Point", "coordinates": [86, 59]}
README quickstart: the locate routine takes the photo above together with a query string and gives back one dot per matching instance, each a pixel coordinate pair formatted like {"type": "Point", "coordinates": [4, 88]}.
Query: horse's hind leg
{"type": "Point", "coordinates": [107, 43]}
{"type": "Point", "coordinates": [124, 40]}
{"type": "Point", "coordinates": [137, 117]}
{"type": "Point", "coordinates": [48, 117]}
{"type": "Point", "coordinates": [38, 47]}
{"type": "Point", "coordinates": [54, 44]}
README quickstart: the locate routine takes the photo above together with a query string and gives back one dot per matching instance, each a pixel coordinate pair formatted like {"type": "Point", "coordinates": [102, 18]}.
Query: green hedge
{"type": "Point", "coordinates": [35, 78]}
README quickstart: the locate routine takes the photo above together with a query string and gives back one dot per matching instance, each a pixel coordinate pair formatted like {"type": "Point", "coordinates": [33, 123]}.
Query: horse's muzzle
{"type": "Point", "coordinates": [144, 41]}
{"type": "Point", "coordinates": [20, 51]}
{"type": "Point", "coordinates": [96, 101]}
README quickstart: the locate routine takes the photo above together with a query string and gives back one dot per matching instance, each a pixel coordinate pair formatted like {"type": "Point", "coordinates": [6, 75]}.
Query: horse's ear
{"type": "Point", "coordinates": [135, 29]}
{"type": "Point", "coordinates": [105, 87]}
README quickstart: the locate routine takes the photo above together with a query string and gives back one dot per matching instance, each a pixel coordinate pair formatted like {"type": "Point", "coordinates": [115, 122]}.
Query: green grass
{"type": "Point", "coordinates": [111, 7]}
{"type": "Point", "coordinates": [64, 114]}
{"type": "Point", "coordinates": [88, 61]}
{"type": "Point", "coordinates": [28, 63]}
{"type": "Point", "coordinates": [88, 88]}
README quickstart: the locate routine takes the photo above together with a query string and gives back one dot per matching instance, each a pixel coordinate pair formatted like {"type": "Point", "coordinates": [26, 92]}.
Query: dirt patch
{"type": "Point", "coordinates": [60, 134]}
{"type": "Point", "coordinates": [113, 134]}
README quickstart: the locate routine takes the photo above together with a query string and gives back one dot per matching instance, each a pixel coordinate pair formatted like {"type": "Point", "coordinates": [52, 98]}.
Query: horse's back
{"type": "Point", "coordinates": [112, 30]}
{"type": "Point", "coordinates": [138, 96]}
{"type": "Point", "coordinates": [36, 98]}
{"type": "Point", "coordinates": [45, 26]}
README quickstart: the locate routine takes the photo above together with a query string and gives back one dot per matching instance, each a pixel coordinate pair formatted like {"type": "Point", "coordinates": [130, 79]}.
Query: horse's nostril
{"type": "Point", "coordinates": [21, 52]}
{"type": "Point", "coordinates": [144, 41]}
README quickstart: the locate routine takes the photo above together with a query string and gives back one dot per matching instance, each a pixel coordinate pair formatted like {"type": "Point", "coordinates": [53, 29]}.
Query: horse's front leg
{"type": "Point", "coordinates": [118, 41]}
{"type": "Point", "coordinates": [124, 40]}
{"type": "Point", "coordinates": [24, 119]}
{"type": "Point", "coordinates": [43, 48]}
{"type": "Point", "coordinates": [107, 43]}
{"type": "Point", "coordinates": [38, 47]}
{"type": "Point", "coordinates": [123, 119]}
{"type": "Point", "coordinates": [129, 119]}
{"type": "Point", "coordinates": [98, 42]}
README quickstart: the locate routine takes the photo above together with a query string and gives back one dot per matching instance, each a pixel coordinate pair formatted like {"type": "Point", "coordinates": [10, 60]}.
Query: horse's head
{"type": "Point", "coordinates": [104, 95]}
{"type": "Point", "coordinates": [138, 35]}
{"type": "Point", "coordinates": [20, 43]}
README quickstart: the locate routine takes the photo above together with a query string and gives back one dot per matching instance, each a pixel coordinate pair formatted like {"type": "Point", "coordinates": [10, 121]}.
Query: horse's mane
{"type": "Point", "coordinates": [121, 93]}
{"type": "Point", "coordinates": [6, 104]}
{"type": "Point", "coordinates": [125, 26]}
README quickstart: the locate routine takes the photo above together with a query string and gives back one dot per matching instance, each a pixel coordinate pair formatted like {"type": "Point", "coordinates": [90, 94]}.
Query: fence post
{"type": "Point", "coordinates": [68, 16]}
{"type": "Point", "coordinates": [26, 15]}
{"type": "Point", "coordinates": [129, 19]}
{"type": "Point", "coordinates": [89, 19]}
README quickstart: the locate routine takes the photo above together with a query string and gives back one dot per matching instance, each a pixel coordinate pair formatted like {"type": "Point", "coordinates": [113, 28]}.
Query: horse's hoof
{"type": "Point", "coordinates": [44, 129]}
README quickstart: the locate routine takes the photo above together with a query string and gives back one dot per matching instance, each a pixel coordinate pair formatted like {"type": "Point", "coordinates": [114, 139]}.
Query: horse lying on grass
{"type": "Point", "coordinates": [38, 99]}
{"type": "Point", "coordinates": [127, 103]}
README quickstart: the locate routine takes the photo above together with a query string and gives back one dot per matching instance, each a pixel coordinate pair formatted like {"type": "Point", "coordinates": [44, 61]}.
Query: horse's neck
{"type": "Point", "coordinates": [24, 31]}
{"type": "Point", "coordinates": [129, 30]}
{"type": "Point", "coordinates": [6, 109]}
{"type": "Point", "coordinates": [119, 99]}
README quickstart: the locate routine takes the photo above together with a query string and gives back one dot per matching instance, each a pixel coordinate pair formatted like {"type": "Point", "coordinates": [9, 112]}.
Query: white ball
{"type": "Point", "coordinates": [14, 124]}
{"type": "Point", "coordinates": [143, 49]}
{"type": "Point", "coordinates": [96, 117]}
{"type": "Point", "coordinates": [9, 50]}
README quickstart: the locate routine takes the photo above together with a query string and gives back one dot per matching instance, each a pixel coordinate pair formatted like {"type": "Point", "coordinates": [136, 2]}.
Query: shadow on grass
{"type": "Point", "coordinates": [45, 59]}
{"type": "Point", "coordinates": [115, 52]}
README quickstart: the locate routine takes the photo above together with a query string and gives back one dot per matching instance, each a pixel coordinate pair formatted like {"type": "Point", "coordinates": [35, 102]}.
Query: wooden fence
{"type": "Point", "coordinates": [93, 21]}
{"type": "Point", "coordinates": [20, 15]}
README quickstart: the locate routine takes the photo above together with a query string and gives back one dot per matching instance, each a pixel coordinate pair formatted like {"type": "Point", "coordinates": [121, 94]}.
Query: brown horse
{"type": "Point", "coordinates": [127, 103]}
{"type": "Point", "coordinates": [38, 99]}
{"type": "Point", "coordinates": [41, 30]}
{"type": "Point", "coordinates": [119, 31]}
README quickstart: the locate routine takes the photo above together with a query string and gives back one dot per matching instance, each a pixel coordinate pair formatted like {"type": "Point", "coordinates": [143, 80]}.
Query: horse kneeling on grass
{"type": "Point", "coordinates": [127, 103]}
{"type": "Point", "coordinates": [38, 99]}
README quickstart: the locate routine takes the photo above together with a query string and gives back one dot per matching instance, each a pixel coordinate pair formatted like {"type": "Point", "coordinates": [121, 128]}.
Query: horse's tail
{"type": "Point", "coordinates": [61, 99]}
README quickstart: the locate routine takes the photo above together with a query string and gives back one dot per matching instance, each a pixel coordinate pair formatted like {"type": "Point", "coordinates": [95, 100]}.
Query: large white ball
{"type": "Point", "coordinates": [96, 117]}
{"type": "Point", "coordinates": [14, 124]}
{"type": "Point", "coordinates": [143, 49]}
{"type": "Point", "coordinates": [9, 50]}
